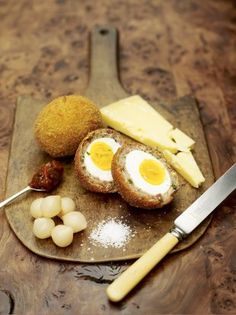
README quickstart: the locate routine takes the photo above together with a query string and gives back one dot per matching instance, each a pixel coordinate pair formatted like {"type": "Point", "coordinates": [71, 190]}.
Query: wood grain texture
{"type": "Point", "coordinates": [146, 225]}
{"type": "Point", "coordinates": [168, 49]}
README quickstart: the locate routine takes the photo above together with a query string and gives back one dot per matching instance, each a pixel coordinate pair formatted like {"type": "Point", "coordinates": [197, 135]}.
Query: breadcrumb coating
{"type": "Point", "coordinates": [128, 191]}
{"type": "Point", "coordinates": [64, 122]}
{"type": "Point", "coordinates": [87, 180]}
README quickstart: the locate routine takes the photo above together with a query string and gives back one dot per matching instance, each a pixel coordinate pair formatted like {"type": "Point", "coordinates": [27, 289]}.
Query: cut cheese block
{"type": "Point", "coordinates": [137, 108]}
{"type": "Point", "coordinates": [185, 164]}
{"type": "Point", "coordinates": [137, 119]}
{"type": "Point", "coordinates": [134, 117]}
{"type": "Point", "coordinates": [181, 139]}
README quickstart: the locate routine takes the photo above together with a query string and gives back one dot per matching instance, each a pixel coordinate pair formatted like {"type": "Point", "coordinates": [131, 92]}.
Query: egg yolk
{"type": "Point", "coordinates": [101, 155]}
{"type": "Point", "coordinates": [152, 172]}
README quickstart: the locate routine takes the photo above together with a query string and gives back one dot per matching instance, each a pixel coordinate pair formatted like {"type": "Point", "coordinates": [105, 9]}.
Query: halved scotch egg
{"type": "Point", "coordinates": [94, 157]}
{"type": "Point", "coordinates": [142, 177]}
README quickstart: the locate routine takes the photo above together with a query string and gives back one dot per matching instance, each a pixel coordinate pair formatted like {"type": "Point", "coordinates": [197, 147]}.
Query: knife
{"type": "Point", "coordinates": [183, 226]}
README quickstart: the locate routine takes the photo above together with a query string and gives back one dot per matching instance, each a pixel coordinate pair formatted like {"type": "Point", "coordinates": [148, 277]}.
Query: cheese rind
{"type": "Point", "coordinates": [185, 164]}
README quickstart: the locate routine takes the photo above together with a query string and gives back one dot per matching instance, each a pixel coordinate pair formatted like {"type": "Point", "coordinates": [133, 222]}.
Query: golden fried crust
{"type": "Point", "coordinates": [86, 179]}
{"type": "Point", "coordinates": [133, 195]}
{"type": "Point", "coordinates": [63, 123]}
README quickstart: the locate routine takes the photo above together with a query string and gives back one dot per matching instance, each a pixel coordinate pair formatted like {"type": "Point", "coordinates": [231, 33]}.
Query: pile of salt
{"type": "Point", "coordinates": [111, 233]}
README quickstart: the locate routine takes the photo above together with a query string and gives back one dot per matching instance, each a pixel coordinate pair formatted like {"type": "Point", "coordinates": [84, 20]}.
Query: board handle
{"type": "Point", "coordinates": [138, 270]}
{"type": "Point", "coordinates": [103, 60]}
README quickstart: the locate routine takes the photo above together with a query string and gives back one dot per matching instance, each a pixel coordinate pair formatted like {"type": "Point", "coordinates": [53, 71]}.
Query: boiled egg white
{"type": "Point", "coordinates": [98, 157]}
{"type": "Point", "coordinates": [147, 172]}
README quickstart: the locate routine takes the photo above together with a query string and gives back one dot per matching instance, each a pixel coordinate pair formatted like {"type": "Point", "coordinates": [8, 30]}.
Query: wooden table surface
{"type": "Point", "coordinates": [168, 49]}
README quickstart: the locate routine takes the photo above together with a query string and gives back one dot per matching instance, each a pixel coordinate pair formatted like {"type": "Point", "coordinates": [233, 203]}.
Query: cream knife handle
{"type": "Point", "coordinates": [138, 270]}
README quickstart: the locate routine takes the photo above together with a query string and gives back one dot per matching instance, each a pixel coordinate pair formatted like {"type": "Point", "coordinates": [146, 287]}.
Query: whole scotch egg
{"type": "Point", "coordinates": [64, 122]}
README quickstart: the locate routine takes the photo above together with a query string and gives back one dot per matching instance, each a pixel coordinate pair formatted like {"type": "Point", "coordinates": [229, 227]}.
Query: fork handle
{"type": "Point", "coordinates": [19, 193]}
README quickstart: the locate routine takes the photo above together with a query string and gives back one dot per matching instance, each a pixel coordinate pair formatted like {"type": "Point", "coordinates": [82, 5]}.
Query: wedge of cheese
{"type": "Point", "coordinates": [137, 119]}
{"type": "Point", "coordinates": [134, 117]}
{"type": "Point", "coordinates": [185, 164]}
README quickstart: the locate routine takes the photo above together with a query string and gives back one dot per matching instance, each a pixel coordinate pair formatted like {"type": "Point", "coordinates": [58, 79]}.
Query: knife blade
{"type": "Point", "coordinates": [207, 202]}
{"type": "Point", "coordinates": [183, 225]}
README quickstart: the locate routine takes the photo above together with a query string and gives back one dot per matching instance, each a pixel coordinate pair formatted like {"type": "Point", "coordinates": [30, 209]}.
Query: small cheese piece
{"type": "Point", "coordinates": [181, 139]}
{"type": "Point", "coordinates": [137, 119]}
{"type": "Point", "coordinates": [185, 164]}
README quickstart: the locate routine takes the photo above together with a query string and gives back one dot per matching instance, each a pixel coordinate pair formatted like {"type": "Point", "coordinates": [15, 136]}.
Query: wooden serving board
{"type": "Point", "coordinates": [147, 225]}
